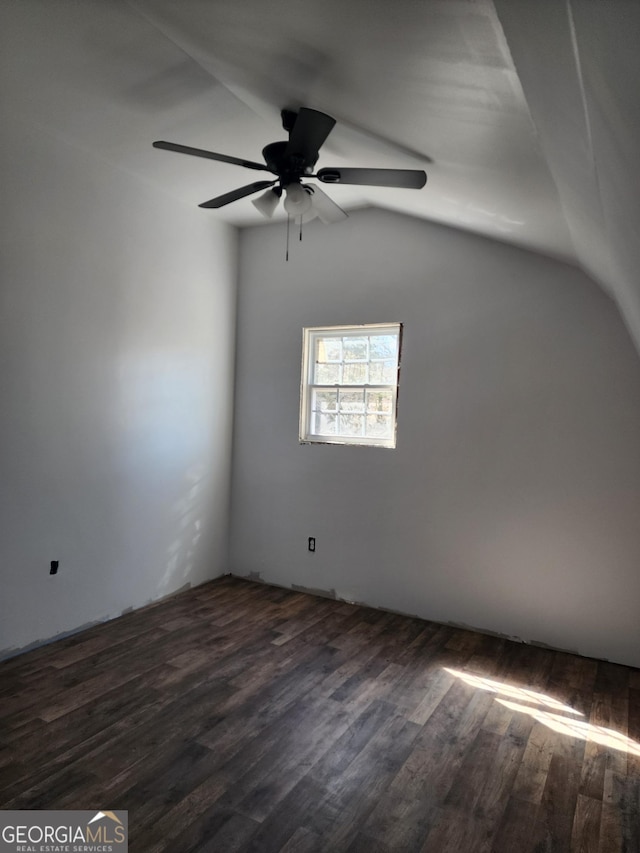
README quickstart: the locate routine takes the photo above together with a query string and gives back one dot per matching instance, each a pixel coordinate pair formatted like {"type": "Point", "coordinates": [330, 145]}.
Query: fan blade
{"type": "Point", "coordinates": [309, 132]}
{"type": "Point", "coordinates": [413, 179]}
{"type": "Point", "coordinates": [234, 195]}
{"type": "Point", "coordinates": [326, 208]}
{"type": "Point", "coordinates": [210, 155]}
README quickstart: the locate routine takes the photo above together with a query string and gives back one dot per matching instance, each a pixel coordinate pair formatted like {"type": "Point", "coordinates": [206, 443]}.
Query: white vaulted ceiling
{"type": "Point", "coordinates": [524, 113]}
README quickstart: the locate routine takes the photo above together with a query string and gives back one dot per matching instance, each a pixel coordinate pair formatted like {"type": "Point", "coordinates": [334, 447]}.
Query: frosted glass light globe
{"type": "Point", "coordinates": [298, 200]}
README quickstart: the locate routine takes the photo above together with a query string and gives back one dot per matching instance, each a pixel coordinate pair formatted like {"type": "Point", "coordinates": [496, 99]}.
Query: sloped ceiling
{"type": "Point", "coordinates": [524, 113]}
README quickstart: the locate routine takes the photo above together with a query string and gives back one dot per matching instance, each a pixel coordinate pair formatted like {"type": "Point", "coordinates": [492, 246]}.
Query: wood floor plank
{"type": "Point", "coordinates": [596, 755]}
{"type": "Point", "coordinates": [620, 810]}
{"type": "Point", "coordinates": [517, 827]}
{"type": "Point", "coordinates": [557, 808]}
{"type": "Point", "coordinates": [366, 844]}
{"type": "Point", "coordinates": [216, 831]}
{"type": "Point", "coordinates": [611, 832]}
{"type": "Point", "coordinates": [531, 779]}
{"type": "Point", "coordinates": [353, 795]}
{"type": "Point", "coordinates": [270, 779]}
{"type": "Point", "coordinates": [585, 836]}
{"type": "Point", "coordinates": [302, 841]}
{"type": "Point", "coordinates": [41, 751]}
{"type": "Point", "coordinates": [407, 810]}
{"type": "Point", "coordinates": [280, 829]}
{"type": "Point", "coordinates": [455, 830]}
{"type": "Point", "coordinates": [242, 717]}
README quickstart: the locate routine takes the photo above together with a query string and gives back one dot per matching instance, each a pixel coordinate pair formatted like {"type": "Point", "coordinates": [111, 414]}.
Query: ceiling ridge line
{"type": "Point", "coordinates": [146, 16]}
{"type": "Point", "coordinates": [587, 122]}
{"type": "Point", "coordinates": [539, 136]}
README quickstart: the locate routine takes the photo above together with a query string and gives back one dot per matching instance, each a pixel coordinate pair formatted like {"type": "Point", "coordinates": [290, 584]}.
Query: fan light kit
{"type": "Point", "coordinates": [298, 200]}
{"type": "Point", "coordinates": [293, 162]}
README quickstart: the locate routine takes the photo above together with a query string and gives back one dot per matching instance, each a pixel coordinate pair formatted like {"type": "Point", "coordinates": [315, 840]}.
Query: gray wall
{"type": "Point", "coordinates": [511, 503]}
{"type": "Point", "coordinates": [117, 344]}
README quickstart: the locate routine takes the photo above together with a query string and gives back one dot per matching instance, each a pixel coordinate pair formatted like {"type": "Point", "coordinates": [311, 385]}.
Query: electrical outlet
{"type": "Point", "coordinates": [312, 543]}
{"type": "Point", "coordinates": [54, 567]}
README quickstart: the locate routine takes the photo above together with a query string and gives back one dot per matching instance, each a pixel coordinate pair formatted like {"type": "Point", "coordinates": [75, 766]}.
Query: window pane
{"type": "Point", "coordinates": [324, 423]}
{"type": "Point", "coordinates": [380, 401]}
{"type": "Point", "coordinates": [327, 374]}
{"type": "Point", "coordinates": [383, 346]}
{"type": "Point", "coordinates": [354, 374]}
{"type": "Point", "coordinates": [390, 372]}
{"type": "Point", "coordinates": [329, 349]}
{"type": "Point", "coordinates": [325, 401]}
{"type": "Point", "coordinates": [379, 426]}
{"type": "Point", "coordinates": [349, 384]}
{"type": "Point", "coordinates": [355, 349]}
{"type": "Point", "coordinates": [383, 372]}
{"type": "Point", "coordinates": [351, 424]}
{"type": "Point", "coordinates": [352, 401]}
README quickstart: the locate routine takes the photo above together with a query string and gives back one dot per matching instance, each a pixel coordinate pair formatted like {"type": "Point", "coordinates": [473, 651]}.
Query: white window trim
{"type": "Point", "coordinates": [307, 386]}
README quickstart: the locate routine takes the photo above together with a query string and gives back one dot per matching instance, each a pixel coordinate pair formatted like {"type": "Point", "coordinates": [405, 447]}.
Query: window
{"type": "Point", "coordinates": [350, 384]}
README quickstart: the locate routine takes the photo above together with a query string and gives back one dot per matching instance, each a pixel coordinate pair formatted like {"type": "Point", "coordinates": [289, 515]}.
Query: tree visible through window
{"type": "Point", "coordinates": [350, 384]}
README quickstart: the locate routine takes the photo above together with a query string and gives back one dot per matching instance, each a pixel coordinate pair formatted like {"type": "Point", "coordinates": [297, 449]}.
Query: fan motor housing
{"type": "Point", "coordinates": [288, 168]}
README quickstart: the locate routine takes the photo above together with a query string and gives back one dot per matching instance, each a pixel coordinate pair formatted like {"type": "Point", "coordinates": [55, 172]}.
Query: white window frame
{"type": "Point", "coordinates": [308, 386]}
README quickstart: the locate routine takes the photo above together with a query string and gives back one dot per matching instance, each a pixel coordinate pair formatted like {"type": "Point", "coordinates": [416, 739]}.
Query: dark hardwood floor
{"type": "Point", "coordinates": [243, 717]}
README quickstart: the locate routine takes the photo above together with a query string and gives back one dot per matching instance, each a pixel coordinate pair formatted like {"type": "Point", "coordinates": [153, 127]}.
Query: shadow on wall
{"type": "Point", "coordinates": [186, 519]}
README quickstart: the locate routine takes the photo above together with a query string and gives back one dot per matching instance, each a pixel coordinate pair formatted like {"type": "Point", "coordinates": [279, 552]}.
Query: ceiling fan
{"type": "Point", "coordinates": [293, 162]}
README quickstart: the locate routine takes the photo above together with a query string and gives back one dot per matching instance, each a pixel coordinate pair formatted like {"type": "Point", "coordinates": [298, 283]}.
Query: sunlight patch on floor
{"type": "Point", "coordinates": [578, 728]}
{"type": "Point", "coordinates": [512, 691]}
{"type": "Point", "coordinates": [565, 725]}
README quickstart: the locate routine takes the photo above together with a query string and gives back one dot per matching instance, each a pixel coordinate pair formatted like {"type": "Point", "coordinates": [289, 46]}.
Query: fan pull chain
{"type": "Point", "coordinates": [300, 238]}
{"type": "Point", "coordinates": [288, 223]}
